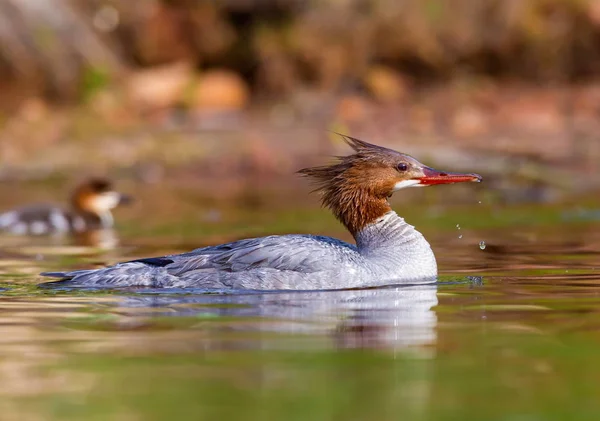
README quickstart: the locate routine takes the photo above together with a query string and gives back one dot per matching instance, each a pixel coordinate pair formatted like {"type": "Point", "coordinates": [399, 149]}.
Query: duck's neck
{"type": "Point", "coordinates": [395, 249]}
{"type": "Point", "coordinates": [355, 208]}
{"type": "Point", "coordinates": [388, 231]}
{"type": "Point", "coordinates": [376, 228]}
{"type": "Point", "coordinates": [106, 219]}
{"type": "Point", "coordinates": [93, 219]}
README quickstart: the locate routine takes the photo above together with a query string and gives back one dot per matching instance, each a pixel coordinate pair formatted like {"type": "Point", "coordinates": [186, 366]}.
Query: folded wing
{"type": "Point", "coordinates": [225, 265]}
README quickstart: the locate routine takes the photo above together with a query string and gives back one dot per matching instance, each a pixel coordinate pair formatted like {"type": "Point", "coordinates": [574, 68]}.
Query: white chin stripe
{"type": "Point", "coordinates": [407, 183]}
{"type": "Point", "coordinates": [105, 201]}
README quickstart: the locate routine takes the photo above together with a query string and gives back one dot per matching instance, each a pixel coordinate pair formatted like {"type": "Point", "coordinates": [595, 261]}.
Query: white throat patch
{"type": "Point", "coordinates": [105, 201]}
{"type": "Point", "coordinates": [407, 183]}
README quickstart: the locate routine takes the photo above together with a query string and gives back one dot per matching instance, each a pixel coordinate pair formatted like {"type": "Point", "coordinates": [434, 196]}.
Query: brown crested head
{"type": "Point", "coordinates": [97, 196]}
{"type": "Point", "coordinates": [356, 187]}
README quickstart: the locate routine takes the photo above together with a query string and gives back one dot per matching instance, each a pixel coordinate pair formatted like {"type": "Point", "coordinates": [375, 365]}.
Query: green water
{"type": "Point", "coordinates": [521, 345]}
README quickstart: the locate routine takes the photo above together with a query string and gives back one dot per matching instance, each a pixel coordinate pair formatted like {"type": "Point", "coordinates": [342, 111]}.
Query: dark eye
{"type": "Point", "coordinates": [403, 166]}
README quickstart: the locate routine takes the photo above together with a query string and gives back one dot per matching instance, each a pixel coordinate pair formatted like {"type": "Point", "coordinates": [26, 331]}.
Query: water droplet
{"type": "Point", "coordinates": [482, 245]}
{"type": "Point", "coordinates": [479, 202]}
{"type": "Point", "coordinates": [460, 236]}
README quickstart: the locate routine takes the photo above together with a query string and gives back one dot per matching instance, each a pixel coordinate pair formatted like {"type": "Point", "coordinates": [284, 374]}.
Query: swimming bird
{"type": "Point", "coordinates": [356, 189]}
{"type": "Point", "coordinates": [90, 208]}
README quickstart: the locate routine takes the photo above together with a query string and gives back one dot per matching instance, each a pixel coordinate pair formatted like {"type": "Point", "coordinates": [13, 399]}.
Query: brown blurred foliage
{"type": "Point", "coordinates": [452, 80]}
{"type": "Point", "coordinates": [63, 49]}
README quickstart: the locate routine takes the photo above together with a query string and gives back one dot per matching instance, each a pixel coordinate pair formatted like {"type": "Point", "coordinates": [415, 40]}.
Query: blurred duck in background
{"type": "Point", "coordinates": [90, 209]}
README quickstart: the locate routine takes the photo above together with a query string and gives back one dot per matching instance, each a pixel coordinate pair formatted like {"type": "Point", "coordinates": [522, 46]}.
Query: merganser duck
{"type": "Point", "coordinates": [90, 209]}
{"type": "Point", "coordinates": [356, 189]}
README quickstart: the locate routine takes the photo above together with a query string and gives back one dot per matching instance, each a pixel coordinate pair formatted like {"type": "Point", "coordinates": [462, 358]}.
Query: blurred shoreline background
{"type": "Point", "coordinates": [193, 90]}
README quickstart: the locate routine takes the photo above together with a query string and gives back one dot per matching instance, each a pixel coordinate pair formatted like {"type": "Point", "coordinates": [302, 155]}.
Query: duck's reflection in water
{"type": "Point", "coordinates": [391, 317]}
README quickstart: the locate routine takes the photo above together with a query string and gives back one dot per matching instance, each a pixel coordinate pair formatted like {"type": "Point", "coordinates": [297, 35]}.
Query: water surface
{"type": "Point", "coordinates": [510, 333]}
